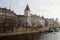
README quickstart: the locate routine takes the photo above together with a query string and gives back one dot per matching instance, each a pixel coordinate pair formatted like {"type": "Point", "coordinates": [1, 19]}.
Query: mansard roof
{"type": "Point", "coordinates": [20, 16]}
{"type": "Point", "coordinates": [7, 10]}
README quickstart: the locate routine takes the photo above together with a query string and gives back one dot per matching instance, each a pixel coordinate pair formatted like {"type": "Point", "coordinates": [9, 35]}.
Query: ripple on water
{"type": "Point", "coordinates": [50, 36]}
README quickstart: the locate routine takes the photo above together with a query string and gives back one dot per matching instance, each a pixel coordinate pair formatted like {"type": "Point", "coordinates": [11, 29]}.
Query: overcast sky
{"type": "Point", "coordinates": [47, 8]}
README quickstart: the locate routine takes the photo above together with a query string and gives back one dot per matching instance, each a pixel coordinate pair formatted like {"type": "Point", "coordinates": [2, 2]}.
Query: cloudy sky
{"type": "Point", "coordinates": [47, 8]}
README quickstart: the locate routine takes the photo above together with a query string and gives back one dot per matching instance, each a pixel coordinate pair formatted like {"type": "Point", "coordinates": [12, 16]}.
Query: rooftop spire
{"type": "Point", "coordinates": [27, 8]}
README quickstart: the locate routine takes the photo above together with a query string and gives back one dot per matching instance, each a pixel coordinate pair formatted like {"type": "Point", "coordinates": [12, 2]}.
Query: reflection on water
{"type": "Point", "coordinates": [17, 37]}
{"type": "Point", "coordinates": [35, 36]}
{"type": "Point", "coordinates": [50, 36]}
{"type": "Point", "coordinates": [32, 36]}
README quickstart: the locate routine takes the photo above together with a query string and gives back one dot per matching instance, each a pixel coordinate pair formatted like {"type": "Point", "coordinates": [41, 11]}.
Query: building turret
{"type": "Point", "coordinates": [27, 13]}
{"type": "Point", "coordinates": [27, 8]}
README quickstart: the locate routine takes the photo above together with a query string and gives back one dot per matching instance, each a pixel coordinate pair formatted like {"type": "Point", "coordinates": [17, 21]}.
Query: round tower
{"type": "Point", "coordinates": [27, 14]}
{"type": "Point", "coordinates": [27, 11]}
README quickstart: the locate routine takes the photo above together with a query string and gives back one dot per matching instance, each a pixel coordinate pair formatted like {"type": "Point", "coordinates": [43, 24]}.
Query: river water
{"type": "Point", "coordinates": [35, 36]}
{"type": "Point", "coordinates": [50, 36]}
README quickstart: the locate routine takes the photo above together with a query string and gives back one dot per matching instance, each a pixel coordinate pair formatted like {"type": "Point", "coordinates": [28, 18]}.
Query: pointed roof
{"type": "Point", "coordinates": [27, 8]}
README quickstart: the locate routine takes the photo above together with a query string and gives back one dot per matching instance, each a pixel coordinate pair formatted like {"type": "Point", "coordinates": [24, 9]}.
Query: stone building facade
{"type": "Point", "coordinates": [8, 20]}
{"type": "Point", "coordinates": [51, 22]}
{"type": "Point", "coordinates": [32, 20]}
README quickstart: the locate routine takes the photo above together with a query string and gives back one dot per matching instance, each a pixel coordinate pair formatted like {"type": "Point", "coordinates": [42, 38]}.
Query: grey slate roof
{"type": "Point", "coordinates": [27, 8]}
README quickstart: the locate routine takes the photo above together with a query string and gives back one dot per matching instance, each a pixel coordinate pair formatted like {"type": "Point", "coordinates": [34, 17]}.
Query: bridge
{"type": "Point", "coordinates": [22, 30]}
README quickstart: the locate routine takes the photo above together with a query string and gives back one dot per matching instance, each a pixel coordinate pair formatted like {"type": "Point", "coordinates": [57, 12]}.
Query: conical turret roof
{"type": "Point", "coordinates": [27, 8]}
